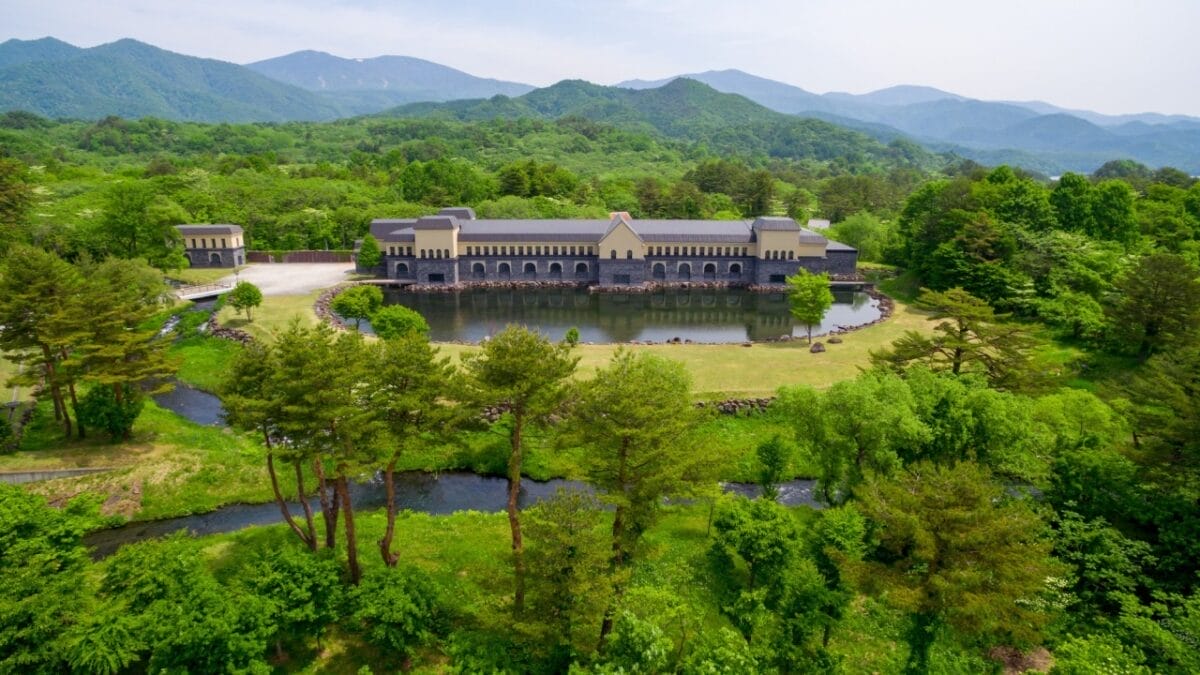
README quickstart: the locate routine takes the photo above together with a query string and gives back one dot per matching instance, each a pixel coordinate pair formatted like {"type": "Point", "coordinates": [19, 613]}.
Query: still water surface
{"type": "Point", "coordinates": [708, 315]}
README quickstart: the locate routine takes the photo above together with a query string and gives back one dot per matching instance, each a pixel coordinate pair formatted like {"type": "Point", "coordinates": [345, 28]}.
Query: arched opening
{"type": "Point", "coordinates": [710, 271]}
{"type": "Point", "coordinates": [530, 271]}
{"type": "Point", "coordinates": [685, 272]}
{"type": "Point", "coordinates": [629, 255]}
{"type": "Point", "coordinates": [659, 271]}
{"type": "Point", "coordinates": [791, 255]}
{"type": "Point", "coordinates": [402, 270]}
{"type": "Point", "coordinates": [735, 271]}
{"type": "Point", "coordinates": [504, 270]}
{"type": "Point", "coordinates": [555, 270]}
{"type": "Point", "coordinates": [215, 260]}
{"type": "Point", "coordinates": [240, 260]}
{"type": "Point", "coordinates": [581, 270]}
{"type": "Point", "coordinates": [613, 254]}
{"type": "Point", "coordinates": [478, 271]}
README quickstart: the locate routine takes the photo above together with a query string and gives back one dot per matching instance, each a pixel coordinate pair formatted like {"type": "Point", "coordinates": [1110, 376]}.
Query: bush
{"type": "Point", "coordinates": [397, 321]}
{"type": "Point", "coordinates": [358, 303]}
{"type": "Point", "coordinates": [99, 409]}
{"type": "Point", "coordinates": [396, 609]}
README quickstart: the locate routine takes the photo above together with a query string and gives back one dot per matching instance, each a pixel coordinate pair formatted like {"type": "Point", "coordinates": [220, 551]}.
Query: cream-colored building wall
{"type": "Point", "coordinates": [685, 249]}
{"type": "Point", "coordinates": [234, 241]}
{"type": "Point", "coordinates": [785, 242]}
{"type": "Point", "coordinates": [622, 239]}
{"type": "Point", "coordinates": [436, 240]}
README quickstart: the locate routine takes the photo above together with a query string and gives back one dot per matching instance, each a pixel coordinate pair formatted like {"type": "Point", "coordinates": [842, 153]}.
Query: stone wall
{"type": "Point", "coordinates": [229, 257]}
{"type": "Point", "coordinates": [566, 269]}
{"type": "Point", "coordinates": [635, 271]}
{"type": "Point", "coordinates": [447, 267]}
{"type": "Point", "coordinates": [723, 269]}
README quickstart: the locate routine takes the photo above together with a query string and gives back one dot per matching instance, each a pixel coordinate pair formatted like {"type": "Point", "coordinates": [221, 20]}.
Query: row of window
{"type": "Point", "coordinates": [531, 250]}
{"type": "Point", "coordinates": [700, 250]}
{"type": "Point", "coordinates": [731, 251]}
{"type": "Point", "coordinates": [204, 243]}
{"type": "Point", "coordinates": [778, 255]}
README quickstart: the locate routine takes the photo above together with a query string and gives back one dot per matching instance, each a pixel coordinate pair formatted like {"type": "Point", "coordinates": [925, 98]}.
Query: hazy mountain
{"type": "Point", "coordinates": [370, 85]}
{"type": "Point", "coordinates": [1041, 135]}
{"type": "Point", "coordinates": [16, 52]}
{"type": "Point", "coordinates": [133, 79]}
{"type": "Point", "coordinates": [686, 109]}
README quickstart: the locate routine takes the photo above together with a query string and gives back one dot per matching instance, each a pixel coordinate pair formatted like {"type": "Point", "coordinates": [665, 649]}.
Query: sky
{"type": "Point", "coordinates": [1111, 56]}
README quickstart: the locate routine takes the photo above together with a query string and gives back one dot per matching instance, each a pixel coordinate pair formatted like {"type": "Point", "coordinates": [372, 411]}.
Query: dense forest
{"type": "Point", "coordinates": [1018, 486]}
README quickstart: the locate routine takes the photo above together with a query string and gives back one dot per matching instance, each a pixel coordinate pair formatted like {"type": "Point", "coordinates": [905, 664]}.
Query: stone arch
{"type": "Point", "coordinates": [402, 269]}
{"type": "Point", "coordinates": [735, 270]}
{"type": "Point", "coordinates": [659, 271]}
{"type": "Point", "coordinates": [504, 270]}
{"type": "Point", "coordinates": [530, 270]}
{"type": "Point", "coordinates": [555, 270]}
{"type": "Point", "coordinates": [581, 269]}
{"type": "Point", "coordinates": [710, 271]}
{"type": "Point", "coordinates": [478, 271]}
{"type": "Point", "coordinates": [685, 271]}
{"type": "Point", "coordinates": [215, 259]}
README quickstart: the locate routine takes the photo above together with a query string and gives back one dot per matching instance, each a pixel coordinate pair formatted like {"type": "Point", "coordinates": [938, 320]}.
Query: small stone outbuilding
{"type": "Point", "coordinates": [213, 245]}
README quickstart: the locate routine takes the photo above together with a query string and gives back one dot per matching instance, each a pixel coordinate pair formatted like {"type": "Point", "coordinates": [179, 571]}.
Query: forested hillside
{"type": "Point", "coordinates": [1008, 482]}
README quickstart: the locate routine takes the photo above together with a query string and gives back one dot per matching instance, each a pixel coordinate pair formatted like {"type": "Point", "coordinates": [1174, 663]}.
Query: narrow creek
{"type": "Point", "coordinates": [437, 494]}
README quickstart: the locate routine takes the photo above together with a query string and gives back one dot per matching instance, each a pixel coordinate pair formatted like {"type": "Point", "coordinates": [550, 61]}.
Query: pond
{"type": "Point", "coordinates": [436, 494]}
{"type": "Point", "coordinates": [699, 315]}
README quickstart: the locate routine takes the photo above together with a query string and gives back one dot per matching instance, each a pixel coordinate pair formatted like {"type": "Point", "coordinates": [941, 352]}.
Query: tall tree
{"type": "Point", "coordinates": [409, 384]}
{"type": "Point", "coordinates": [16, 198]}
{"type": "Point", "coordinates": [253, 403]}
{"type": "Point", "coordinates": [634, 418]}
{"type": "Point", "coordinates": [953, 553]}
{"type": "Point", "coordinates": [369, 254]}
{"type": "Point", "coordinates": [810, 298]}
{"type": "Point", "coordinates": [38, 292]}
{"type": "Point", "coordinates": [1157, 302]}
{"type": "Point", "coordinates": [970, 337]}
{"type": "Point", "coordinates": [522, 372]}
{"type": "Point", "coordinates": [141, 224]}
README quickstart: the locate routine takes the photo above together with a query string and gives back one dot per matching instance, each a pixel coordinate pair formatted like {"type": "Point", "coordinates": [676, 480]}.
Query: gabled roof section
{"type": "Point", "coordinates": [387, 229]}
{"type": "Point", "coordinates": [775, 224]}
{"type": "Point", "coordinates": [620, 220]}
{"type": "Point", "coordinates": [810, 237]}
{"type": "Point", "coordinates": [436, 223]}
{"type": "Point", "coordinates": [205, 228]}
{"type": "Point", "coordinates": [460, 212]}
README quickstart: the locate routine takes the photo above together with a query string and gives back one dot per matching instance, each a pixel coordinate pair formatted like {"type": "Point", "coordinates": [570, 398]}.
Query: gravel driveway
{"type": "Point", "coordinates": [293, 278]}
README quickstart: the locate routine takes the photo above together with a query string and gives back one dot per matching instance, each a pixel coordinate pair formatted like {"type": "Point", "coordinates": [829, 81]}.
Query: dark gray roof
{"type": "Point", "coordinates": [383, 228]}
{"type": "Point", "coordinates": [436, 223]}
{"type": "Point", "coordinates": [715, 231]}
{"type": "Point", "coordinates": [206, 228]}
{"type": "Point", "coordinates": [589, 231]}
{"type": "Point", "coordinates": [775, 223]}
{"type": "Point", "coordinates": [460, 212]}
{"type": "Point", "coordinates": [832, 245]}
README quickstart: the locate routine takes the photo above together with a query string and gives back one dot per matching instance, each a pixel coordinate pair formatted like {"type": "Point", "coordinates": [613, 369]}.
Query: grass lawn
{"type": "Point", "coordinates": [717, 370]}
{"type": "Point", "coordinates": [201, 275]}
{"type": "Point", "coordinates": [733, 370]}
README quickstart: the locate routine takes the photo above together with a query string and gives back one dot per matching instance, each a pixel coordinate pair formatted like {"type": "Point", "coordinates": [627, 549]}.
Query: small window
{"type": "Point", "coordinates": [629, 255]}
{"type": "Point", "coordinates": [203, 243]}
{"type": "Point", "coordinates": [791, 255]}
{"type": "Point", "coordinates": [223, 243]}
{"type": "Point", "coordinates": [613, 254]}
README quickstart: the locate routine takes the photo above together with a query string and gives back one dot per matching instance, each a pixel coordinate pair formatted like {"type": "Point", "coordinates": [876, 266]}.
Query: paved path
{"type": "Point", "coordinates": [293, 278]}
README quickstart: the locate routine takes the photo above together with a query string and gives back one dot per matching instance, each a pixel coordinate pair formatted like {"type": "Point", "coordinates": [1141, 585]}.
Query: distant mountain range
{"type": "Point", "coordinates": [132, 79]}
{"type": "Point", "coordinates": [369, 85]}
{"type": "Point", "coordinates": [1034, 134]}
{"type": "Point", "coordinates": [686, 109]}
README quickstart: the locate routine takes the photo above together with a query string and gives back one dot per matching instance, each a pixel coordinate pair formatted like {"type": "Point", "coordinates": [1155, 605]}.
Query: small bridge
{"type": "Point", "coordinates": [201, 291]}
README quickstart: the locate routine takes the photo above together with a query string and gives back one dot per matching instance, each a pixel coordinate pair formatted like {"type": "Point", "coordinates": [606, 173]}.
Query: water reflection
{"type": "Point", "coordinates": [700, 315]}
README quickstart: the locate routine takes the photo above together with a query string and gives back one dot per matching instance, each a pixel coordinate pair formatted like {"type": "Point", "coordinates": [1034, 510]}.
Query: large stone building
{"type": "Point", "coordinates": [454, 247]}
{"type": "Point", "coordinates": [213, 245]}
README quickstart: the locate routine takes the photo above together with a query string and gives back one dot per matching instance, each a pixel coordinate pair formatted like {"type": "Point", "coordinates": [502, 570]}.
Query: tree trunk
{"type": "Point", "coordinates": [920, 637]}
{"type": "Point", "coordinates": [351, 537]}
{"type": "Point", "coordinates": [283, 507]}
{"type": "Point", "coordinates": [329, 508]}
{"type": "Point", "coordinates": [618, 548]}
{"type": "Point", "coordinates": [514, 514]}
{"type": "Point", "coordinates": [385, 544]}
{"type": "Point", "coordinates": [60, 406]}
{"type": "Point", "coordinates": [302, 495]}
{"type": "Point", "coordinates": [80, 432]}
